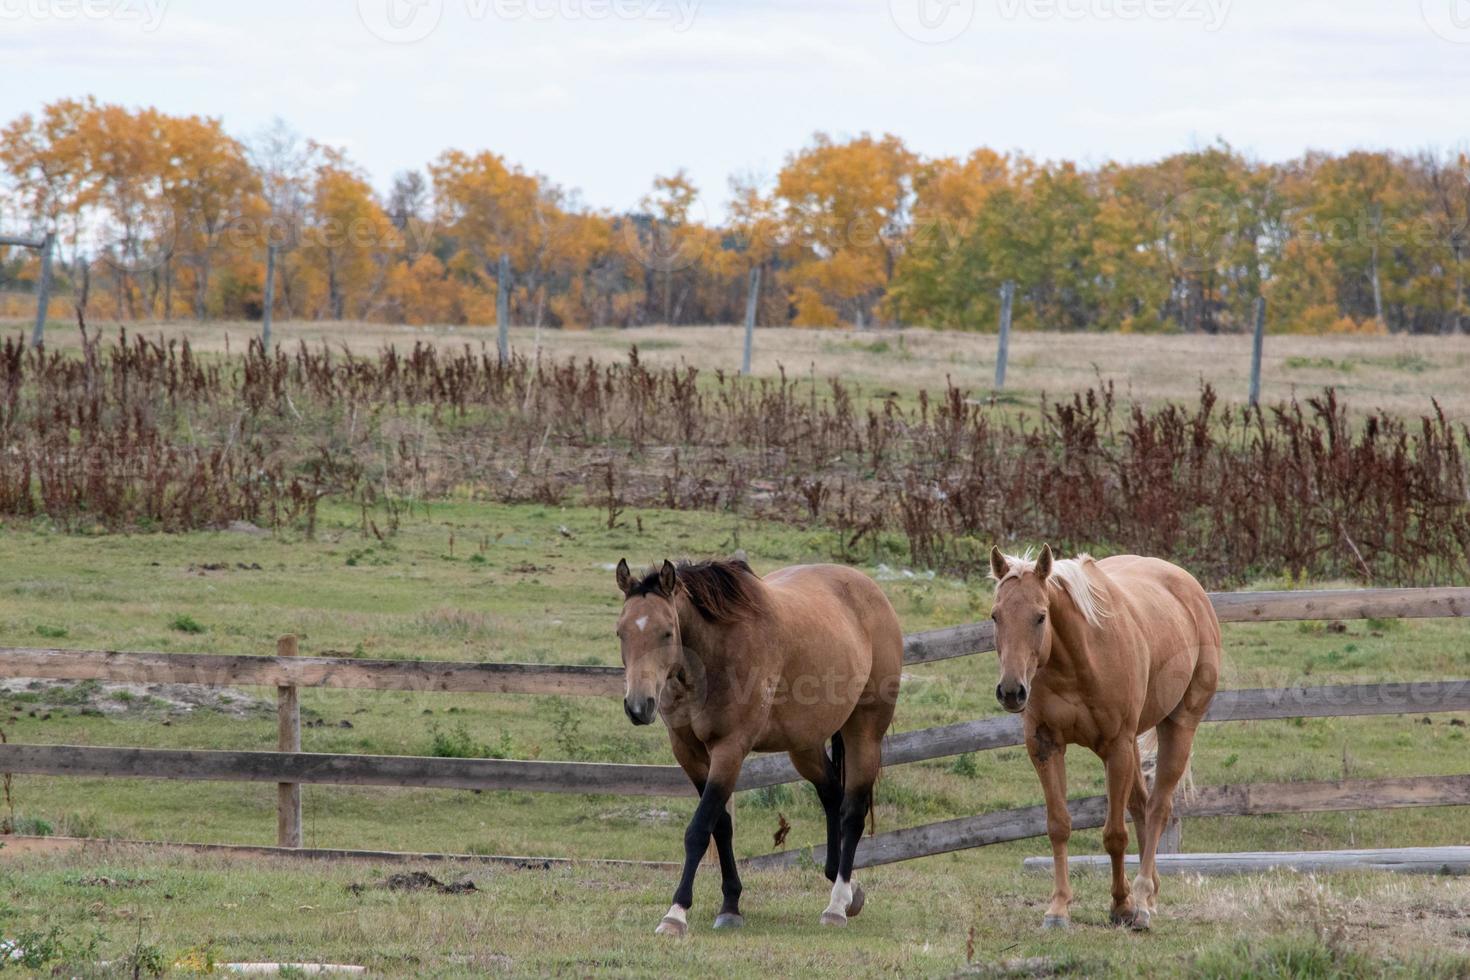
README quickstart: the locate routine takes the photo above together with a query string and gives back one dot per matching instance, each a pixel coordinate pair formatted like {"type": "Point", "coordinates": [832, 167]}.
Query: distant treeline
{"type": "Point", "coordinates": [164, 216]}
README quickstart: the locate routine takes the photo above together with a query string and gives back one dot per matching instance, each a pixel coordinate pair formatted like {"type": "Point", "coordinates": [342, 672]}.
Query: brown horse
{"type": "Point", "coordinates": [1095, 653]}
{"type": "Point", "coordinates": [738, 664]}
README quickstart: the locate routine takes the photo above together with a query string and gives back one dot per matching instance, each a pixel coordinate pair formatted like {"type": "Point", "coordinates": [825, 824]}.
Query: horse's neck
{"type": "Point", "coordinates": [1071, 662]}
{"type": "Point", "coordinates": [699, 635]}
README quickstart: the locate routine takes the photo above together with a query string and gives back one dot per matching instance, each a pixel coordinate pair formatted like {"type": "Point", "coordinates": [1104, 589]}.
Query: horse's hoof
{"type": "Point", "coordinates": [1122, 918]}
{"type": "Point", "coordinates": [859, 897]}
{"type": "Point", "coordinates": [1141, 921]}
{"type": "Point", "coordinates": [1056, 922]}
{"type": "Point", "coordinates": [671, 926]}
{"type": "Point", "coordinates": [833, 919]}
{"type": "Point", "coordinates": [729, 920]}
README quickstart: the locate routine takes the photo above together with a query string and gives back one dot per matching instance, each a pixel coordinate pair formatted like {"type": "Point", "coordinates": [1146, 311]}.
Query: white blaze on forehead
{"type": "Point", "coordinates": [642, 623]}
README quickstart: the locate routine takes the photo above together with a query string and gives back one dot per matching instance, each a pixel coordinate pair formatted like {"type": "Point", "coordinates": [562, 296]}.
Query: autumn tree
{"type": "Point", "coordinates": [347, 240]}
{"type": "Point", "coordinates": [846, 210]}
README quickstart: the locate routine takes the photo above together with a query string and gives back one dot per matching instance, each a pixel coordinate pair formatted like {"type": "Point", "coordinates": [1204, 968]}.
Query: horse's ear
{"type": "Point", "coordinates": [625, 576]}
{"type": "Point", "coordinates": [999, 567]}
{"type": "Point", "coordinates": [668, 577]}
{"type": "Point", "coordinates": [1043, 564]}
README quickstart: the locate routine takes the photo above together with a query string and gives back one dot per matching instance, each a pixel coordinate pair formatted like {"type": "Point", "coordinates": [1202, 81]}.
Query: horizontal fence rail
{"type": "Point", "coordinates": [346, 770]}
{"type": "Point", "coordinates": [1348, 700]}
{"type": "Point", "coordinates": [226, 670]}
{"type": "Point", "coordinates": [1266, 704]}
{"type": "Point", "coordinates": [497, 678]}
{"type": "Point", "coordinates": [1410, 860]}
{"type": "Point", "coordinates": [290, 769]}
{"type": "Point", "coordinates": [1253, 799]}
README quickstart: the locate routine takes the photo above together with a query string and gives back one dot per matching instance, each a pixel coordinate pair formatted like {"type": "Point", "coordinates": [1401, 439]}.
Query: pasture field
{"type": "Point", "coordinates": [476, 581]}
{"type": "Point", "coordinates": [1394, 372]}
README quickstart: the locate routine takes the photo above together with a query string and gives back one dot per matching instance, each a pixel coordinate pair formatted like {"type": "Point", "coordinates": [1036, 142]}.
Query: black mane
{"type": "Point", "coordinates": [723, 590]}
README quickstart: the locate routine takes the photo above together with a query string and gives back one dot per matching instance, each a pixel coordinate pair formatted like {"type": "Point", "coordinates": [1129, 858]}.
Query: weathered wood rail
{"type": "Point", "coordinates": [1408, 860]}
{"type": "Point", "coordinates": [286, 767]}
{"type": "Point", "coordinates": [1090, 812]}
{"type": "Point", "coordinates": [219, 670]}
{"type": "Point", "coordinates": [291, 768]}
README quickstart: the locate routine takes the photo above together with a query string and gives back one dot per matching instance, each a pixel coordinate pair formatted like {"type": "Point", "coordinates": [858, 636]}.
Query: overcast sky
{"type": "Point", "coordinates": [601, 95]}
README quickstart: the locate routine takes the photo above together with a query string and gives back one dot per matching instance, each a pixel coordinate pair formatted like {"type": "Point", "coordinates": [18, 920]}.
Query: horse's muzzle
{"type": "Point", "coordinates": [1012, 697]}
{"type": "Point", "coordinates": [640, 711]}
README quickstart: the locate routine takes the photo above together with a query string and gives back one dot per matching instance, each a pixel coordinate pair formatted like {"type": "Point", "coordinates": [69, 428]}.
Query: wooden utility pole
{"type": "Point", "coordinates": [502, 308]}
{"type": "Point", "coordinates": [270, 297]}
{"type": "Point", "coordinates": [1007, 297]}
{"type": "Point", "coordinates": [1257, 350]}
{"type": "Point", "coordinates": [288, 717]}
{"type": "Point", "coordinates": [751, 304]}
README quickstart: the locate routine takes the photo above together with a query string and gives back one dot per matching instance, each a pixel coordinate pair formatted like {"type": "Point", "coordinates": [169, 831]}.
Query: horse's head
{"type": "Point", "coordinates": [1022, 626]}
{"type": "Point", "coordinates": [648, 630]}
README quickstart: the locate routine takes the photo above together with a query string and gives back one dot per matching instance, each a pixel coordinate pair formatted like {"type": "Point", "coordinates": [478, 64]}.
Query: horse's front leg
{"type": "Point", "coordinates": [1121, 762]}
{"type": "Point", "coordinates": [724, 770]}
{"type": "Point", "coordinates": [1049, 755]}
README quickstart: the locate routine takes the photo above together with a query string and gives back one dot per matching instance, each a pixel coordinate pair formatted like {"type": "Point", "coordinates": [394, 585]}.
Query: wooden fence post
{"type": "Point", "coordinates": [270, 297]}
{"type": "Point", "coordinates": [1172, 839]}
{"type": "Point", "coordinates": [751, 304]}
{"type": "Point", "coordinates": [1007, 295]}
{"type": "Point", "coordinates": [288, 716]}
{"type": "Point", "coordinates": [1257, 350]}
{"type": "Point", "coordinates": [43, 290]}
{"type": "Point", "coordinates": [502, 308]}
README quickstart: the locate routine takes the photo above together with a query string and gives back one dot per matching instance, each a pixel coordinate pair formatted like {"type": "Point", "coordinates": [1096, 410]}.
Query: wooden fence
{"type": "Point", "coordinates": [290, 768]}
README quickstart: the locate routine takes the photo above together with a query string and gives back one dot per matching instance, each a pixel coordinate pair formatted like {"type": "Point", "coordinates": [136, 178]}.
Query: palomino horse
{"type": "Point", "coordinates": [1094, 653]}
{"type": "Point", "coordinates": [735, 664]}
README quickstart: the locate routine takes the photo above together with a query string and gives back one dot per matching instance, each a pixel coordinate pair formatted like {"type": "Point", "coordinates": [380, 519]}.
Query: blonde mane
{"type": "Point", "coordinates": [1070, 575]}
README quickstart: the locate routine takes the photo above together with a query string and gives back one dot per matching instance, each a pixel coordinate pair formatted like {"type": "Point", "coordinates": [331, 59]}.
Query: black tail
{"type": "Point", "coordinates": [838, 753]}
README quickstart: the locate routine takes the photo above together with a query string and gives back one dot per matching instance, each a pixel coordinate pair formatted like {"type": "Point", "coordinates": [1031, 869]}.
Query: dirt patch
{"type": "Point", "coordinates": [417, 881]}
{"type": "Point", "coordinates": [103, 881]}
{"type": "Point", "coordinates": [94, 697]}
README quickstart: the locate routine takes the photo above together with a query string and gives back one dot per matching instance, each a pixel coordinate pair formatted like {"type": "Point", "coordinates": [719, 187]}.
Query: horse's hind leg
{"type": "Point", "coordinates": [825, 774]}
{"type": "Point", "coordinates": [862, 759]}
{"type": "Point", "coordinates": [1121, 764]}
{"type": "Point", "coordinates": [1176, 741]}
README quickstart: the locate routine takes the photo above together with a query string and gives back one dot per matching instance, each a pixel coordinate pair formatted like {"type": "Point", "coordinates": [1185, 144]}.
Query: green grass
{"type": "Point", "coordinates": [533, 594]}
{"type": "Point", "coordinates": [922, 919]}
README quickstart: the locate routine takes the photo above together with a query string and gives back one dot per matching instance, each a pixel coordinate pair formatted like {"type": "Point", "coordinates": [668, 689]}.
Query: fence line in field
{"type": "Point", "coordinates": [290, 768]}
{"type": "Point", "coordinates": [568, 680]}
{"type": "Point", "coordinates": [1252, 799]}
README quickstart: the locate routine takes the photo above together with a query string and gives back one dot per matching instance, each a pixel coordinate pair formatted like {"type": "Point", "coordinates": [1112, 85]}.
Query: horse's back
{"type": "Point", "coordinates": [838, 647]}
{"type": "Point", "coordinates": [820, 591]}
{"type": "Point", "coordinates": [1176, 622]}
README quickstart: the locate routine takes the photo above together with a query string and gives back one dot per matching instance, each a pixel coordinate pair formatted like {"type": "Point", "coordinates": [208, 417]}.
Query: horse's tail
{"type": "Point", "coordinates": [1148, 754]}
{"type": "Point", "coordinates": [839, 763]}
{"type": "Point", "coordinates": [873, 796]}
{"type": "Point", "coordinates": [839, 755]}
